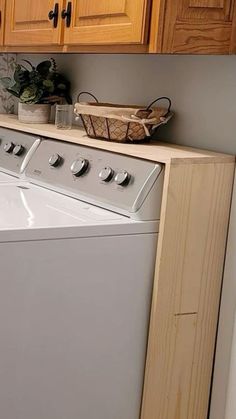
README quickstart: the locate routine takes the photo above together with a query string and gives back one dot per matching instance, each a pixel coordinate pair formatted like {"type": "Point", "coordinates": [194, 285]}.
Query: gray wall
{"type": "Point", "coordinates": [203, 90]}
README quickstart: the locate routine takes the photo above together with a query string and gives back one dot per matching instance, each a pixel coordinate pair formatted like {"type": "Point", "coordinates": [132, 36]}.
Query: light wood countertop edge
{"type": "Point", "coordinates": [155, 151]}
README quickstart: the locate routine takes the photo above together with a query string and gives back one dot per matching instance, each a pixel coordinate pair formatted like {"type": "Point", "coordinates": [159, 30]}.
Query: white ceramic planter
{"type": "Point", "coordinates": [34, 113]}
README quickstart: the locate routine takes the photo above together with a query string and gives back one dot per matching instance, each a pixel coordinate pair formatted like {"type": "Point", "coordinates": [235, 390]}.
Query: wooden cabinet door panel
{"type": "Point", "coordinates": [27, 22]}
{"type": "Point", "coordinates": [198, 26]}
{"type": "Point", "coordinates": [2, 19]}
{"type": "Point", "coordinates": [107, 22]}
{"type": "Point", "coordinates": [213, 10]}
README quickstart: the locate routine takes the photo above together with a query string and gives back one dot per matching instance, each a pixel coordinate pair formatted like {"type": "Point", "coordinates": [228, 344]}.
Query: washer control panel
{"type": "Point", "coordinates": [99, 177]}
{"type": "Point", "coordinates": [15, 146]}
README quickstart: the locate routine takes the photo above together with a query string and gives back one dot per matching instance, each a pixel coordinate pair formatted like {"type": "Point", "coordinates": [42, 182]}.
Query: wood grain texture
{"type": "Point", "coordinates": [189, 266]}
{"type": "Point", "coordinates": [233, 32]}
{"type": "Point", "coordinates": [112, 49]}
{"type": "Point", "coordinates": [206, 10]}
{"type": "Point", "coordinates": [104, 23]}
{"type": "Point", "coordinates": [216, 4]}
{"type": "Point", "coordinates": [33, 49]}
{"type": "Point", "coordinates": [2, 20]}
{"type": "Point", "coordinates": [198, 28]}
{"type": "Point", "coordinates": [74, 49]}
{"type": "Point", "coordinates": [157, 25]}
{"type": "Point", "coordinates": [193, 38]}
{"type": "Point", "coordinates": [155, 151]}
{"type": "Point", "coordinates": [27, 23]}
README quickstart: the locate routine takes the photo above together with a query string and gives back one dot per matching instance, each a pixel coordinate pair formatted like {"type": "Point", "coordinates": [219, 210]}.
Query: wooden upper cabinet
{"type": "Point", "coordinates": [197, 26]}
{"type": "Point", "coordinates": [27, 22]}
{"type": "Point", "coordinates": [175, 26]}
{"type": "Point", "coordinates": [2, 19]}
{"type": "Point", "coordinates": [106, 22]}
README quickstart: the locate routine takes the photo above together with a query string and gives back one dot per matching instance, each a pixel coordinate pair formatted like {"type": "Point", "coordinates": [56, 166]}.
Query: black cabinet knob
{"type": "Point", "coordinates": [53, 15]}
{"type": "Point", "coordinates": [66, 14]}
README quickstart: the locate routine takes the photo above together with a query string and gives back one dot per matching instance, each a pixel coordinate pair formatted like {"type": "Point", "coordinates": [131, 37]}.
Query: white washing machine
{"type": "Point", "coordinates": [16, 148]}
{"type": "Point", "coordinates": [76, 283]}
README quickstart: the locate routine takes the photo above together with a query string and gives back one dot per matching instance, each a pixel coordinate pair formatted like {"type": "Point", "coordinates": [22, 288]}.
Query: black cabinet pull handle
{"type": "Point", "coordinates": [66, 14]}
{"type": "Point", "coordinates": [53, 15]}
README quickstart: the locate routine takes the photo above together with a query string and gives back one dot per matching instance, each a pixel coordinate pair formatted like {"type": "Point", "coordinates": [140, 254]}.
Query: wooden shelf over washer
{"type": "Point", "coordinates": [155, 151]}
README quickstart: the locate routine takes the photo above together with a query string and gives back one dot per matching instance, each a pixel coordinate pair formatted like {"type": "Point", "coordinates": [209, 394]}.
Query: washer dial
{"type": "Point", "coordinates": [79, 167]}
{"type": "Point", "coordinates": [8, 147]}
{"type": "Point", "coordinates": [18, 150]}
{"type": "Point", "coordinates": [106, 174]}
{"type": "Point", "coordinates": [122, 178]}
{"type": "Point", "coordinates": [55, 160]}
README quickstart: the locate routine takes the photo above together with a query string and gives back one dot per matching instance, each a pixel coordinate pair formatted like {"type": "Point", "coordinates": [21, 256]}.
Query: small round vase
{"type": "Point", "coordinates": [34, 113]}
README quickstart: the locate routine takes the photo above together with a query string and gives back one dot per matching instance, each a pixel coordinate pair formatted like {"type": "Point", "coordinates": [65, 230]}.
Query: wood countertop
{"type": "Point", "coordinates": [155, 151]}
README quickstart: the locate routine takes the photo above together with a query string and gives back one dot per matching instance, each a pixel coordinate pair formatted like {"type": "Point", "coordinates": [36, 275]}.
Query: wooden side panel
{"type": "Point", "coordinates": [198, 26]}
{"type": "Point", "coordinates": [27, 22]}
{"type": "Point", "coordinates": [2, 20]}
{"type": "Point", "coordinates": [157, 25]}
{"type": "Point", "coordinates": [187, 287]}
{"type": "Point", "coordinates": [107, 22]}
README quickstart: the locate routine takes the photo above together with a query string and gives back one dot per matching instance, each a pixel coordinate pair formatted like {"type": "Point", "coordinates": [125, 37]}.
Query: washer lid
{"type": "Point", "coordinates": [5, 178]}
{"type": "Point", "coordinates": [32, 212]}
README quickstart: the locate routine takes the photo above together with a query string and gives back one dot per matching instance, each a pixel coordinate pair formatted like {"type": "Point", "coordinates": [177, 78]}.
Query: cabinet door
{"type": "Point", "coordinates": [2, 16]}
{"type": "Point", "coordinates": [107, 22]}
{"type": "Point", "coordinates": [198, 26]}
{"type": "Point", "coordinates": [27, 22]}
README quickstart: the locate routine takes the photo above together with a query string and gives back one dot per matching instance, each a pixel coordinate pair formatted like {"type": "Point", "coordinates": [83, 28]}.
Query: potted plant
{"type": "Point", "coordinates": [37, 88]}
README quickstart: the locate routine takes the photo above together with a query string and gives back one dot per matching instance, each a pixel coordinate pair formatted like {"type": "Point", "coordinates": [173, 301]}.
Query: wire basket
{"type": "Point", "coordinates": [119, 122]}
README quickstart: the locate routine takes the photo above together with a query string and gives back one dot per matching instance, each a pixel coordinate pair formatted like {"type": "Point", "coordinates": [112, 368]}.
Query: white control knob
{"type": "Point", "coordinates": [106, 174]}
{"type": "Point", "coordinates": [8, 147]}
{"type": "Point", "coordinates": [122, 178]}
{"type": "Point", "coordinates": [55, 160]}
{"type": "Point", "coordinates": [79, 167]}
{"type": "Point", "coordinates": [18, 150]}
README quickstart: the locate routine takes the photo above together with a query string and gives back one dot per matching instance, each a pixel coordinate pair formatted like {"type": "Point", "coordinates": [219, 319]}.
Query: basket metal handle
{"type": "Point", "coordinates": [161, 98]}
{"type": "Point", "coordinates": [86, 93]}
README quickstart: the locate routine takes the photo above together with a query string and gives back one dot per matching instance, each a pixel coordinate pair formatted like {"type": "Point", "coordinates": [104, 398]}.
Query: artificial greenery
{"type": "Point", "coordinates": [40, 84]}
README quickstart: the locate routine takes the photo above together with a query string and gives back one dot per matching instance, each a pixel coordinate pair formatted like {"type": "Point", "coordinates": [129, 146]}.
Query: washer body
{"type": "Point", "coordinates": [77, 267]}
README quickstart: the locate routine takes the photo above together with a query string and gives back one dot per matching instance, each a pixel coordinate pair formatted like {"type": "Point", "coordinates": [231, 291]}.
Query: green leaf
{"type": "Point", "coordinates": [16, 88]}
{"type": "Point", "coordinates": [30, 94]}
{"type": "Point", "coordinates": [44, 68]}
{"type": "Point", "coordinates": [48, 86]}
{"type": "Point", "coordinates": [21, 76]}
{"type": "Point", "coordinates": [28, 62]}
{"type": "Point", "coordinates": [61, 86]}
{"type": "Point", "coordinates": [12, 92]}
{"type": "Point", "coordinates": [6, 82]}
